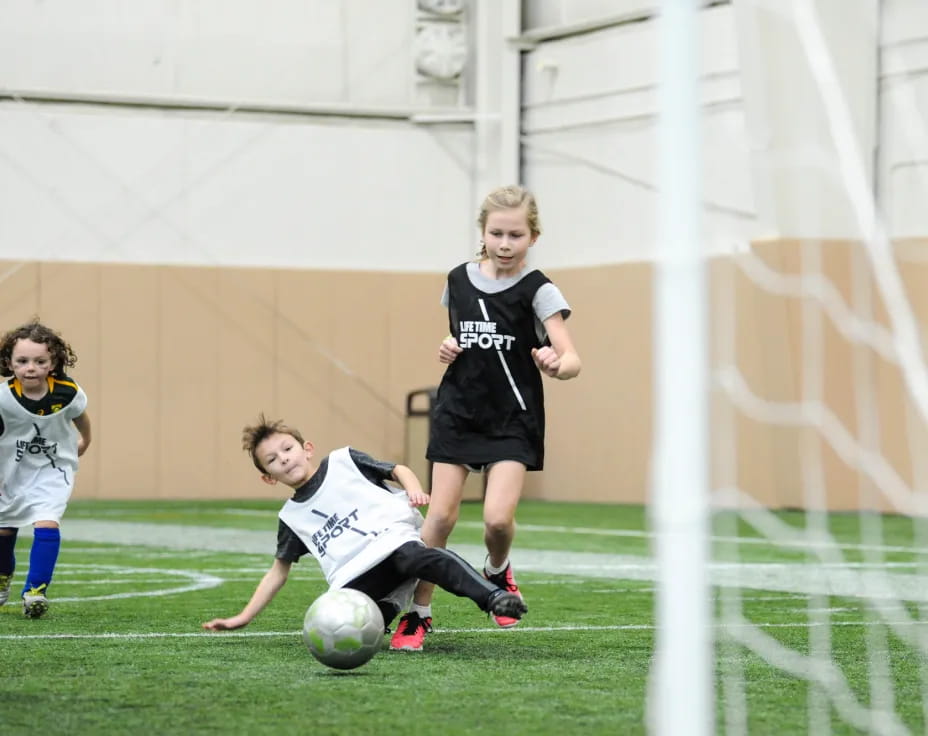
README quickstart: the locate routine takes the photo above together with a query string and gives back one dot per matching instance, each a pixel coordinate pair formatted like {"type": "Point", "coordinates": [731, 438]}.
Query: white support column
{"type": "Point", "coordinates": [497, 95]}
{"type": "Point", "coordinates": [681, 693]}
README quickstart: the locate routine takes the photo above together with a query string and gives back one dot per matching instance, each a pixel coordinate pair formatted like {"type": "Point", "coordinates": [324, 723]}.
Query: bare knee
{"type": "Point", "coordinates": [438, 527]}
{"type": "Point", "coordinates": [498, 527]}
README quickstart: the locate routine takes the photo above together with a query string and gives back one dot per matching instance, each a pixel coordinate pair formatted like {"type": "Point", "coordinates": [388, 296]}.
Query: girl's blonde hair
{"type": "Point", "coordinates": [508, 198]}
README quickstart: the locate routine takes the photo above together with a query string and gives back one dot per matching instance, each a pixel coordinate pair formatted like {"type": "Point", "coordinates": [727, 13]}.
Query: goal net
{"type": "Point", "coordinates": [810, 578]}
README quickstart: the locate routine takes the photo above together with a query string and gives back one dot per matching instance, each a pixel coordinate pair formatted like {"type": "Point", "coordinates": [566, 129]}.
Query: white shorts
{"type": "Point", "coordinates": [401, 596]}
{"type": "Point", "coordinates": [44, 498]}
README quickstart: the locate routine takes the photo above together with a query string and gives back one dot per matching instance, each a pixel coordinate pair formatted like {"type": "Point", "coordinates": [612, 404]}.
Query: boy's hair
{"type": "Point", "coordinates": [254, 435]}
{"type": "Point", "coordinates": [62, 355]}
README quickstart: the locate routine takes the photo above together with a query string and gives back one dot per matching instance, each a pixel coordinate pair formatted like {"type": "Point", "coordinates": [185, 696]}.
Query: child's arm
{"type": "Point", "coordinates": [410, 483]}
{"type": "Point", "coordinates": [83, 427]}
{"type": "Point", "coordinates": [561, 359]}
{"type": "Point", "coordinates": [272, 581]}
{"type": "Point", "coordinates": [449, 350]}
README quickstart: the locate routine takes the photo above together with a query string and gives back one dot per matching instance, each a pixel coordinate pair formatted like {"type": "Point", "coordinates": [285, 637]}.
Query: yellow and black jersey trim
{"type": "Point", "coordinates": [61, 392]}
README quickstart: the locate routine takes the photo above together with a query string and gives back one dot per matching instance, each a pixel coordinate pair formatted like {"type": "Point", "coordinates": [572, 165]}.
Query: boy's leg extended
{"type": "Point", "coordinates": [387, 587]}
{"type": "Point", "coordinates": [446, 569]}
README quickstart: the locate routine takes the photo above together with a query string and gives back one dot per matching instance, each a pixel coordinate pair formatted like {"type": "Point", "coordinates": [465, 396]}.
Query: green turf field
{"type": "Point", "coordinates": [121, 650]}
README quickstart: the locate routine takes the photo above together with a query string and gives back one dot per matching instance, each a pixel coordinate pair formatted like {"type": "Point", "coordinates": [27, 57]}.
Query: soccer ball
{"type": "Point", "coordinates": [343, 629]}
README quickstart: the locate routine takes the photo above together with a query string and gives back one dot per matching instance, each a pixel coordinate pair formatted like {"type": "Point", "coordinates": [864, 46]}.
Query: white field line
{"type": "Point", "coordinates": [135, 581]}
{"type": "Point", "coordinates": [440, 631]}
{"type": "Point", "coordinates": [823, 610]}
{"type": "Point", "coordinates": [851, 580]}
{"type": "Point", "coordinates": [764, 541]}
{"type": "Point", "coordinates": [788, 579]}
{"type": "Point", "coordinates": [196, 581]}
{"type": "Point", "coordinates": [295, 574]}
{"type": "Point", "coordinates": [256, 578]}
{"type": "Point", "coordinates": [631, 533]}
{"type": "Point", "coordinates": [643, 590]}
{"type": "Point", "coordinates": [75, 579]}
{"type": "Point", "coordinates": [147, 553]}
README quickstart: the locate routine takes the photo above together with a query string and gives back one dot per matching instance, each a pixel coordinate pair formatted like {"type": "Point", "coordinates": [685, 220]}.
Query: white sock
{"type": "Point", "coordinates": [423, 611]}
{"type": "Point", "coordinates": [495, 570]}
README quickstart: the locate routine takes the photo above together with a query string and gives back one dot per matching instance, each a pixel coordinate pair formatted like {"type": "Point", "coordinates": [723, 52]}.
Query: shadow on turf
{"type": "Point", "coordinates": [359, 672]}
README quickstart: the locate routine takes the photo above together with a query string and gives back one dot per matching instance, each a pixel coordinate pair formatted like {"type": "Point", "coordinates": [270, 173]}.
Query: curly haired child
{"type": "Point", "coordinates": [44, 429]}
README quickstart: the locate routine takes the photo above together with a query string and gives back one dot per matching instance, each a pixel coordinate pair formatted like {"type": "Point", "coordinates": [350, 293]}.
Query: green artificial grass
{"type": "Point", "coordinates": [115, 655]}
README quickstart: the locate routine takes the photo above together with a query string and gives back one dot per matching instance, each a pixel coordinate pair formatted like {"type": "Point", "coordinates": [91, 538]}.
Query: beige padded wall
{"type": "Point", "coordinates": [904, 429]}
{"type": "Point", "coordinates": [176, 360]}
{"type": "Point", "coordinates": [599, 424]}
{"type": "Point", "coordinates": [766, 454]}
{"type": "Point", "coordinates": [774, 358]}
{"type": "Point", "coordinates": [126, 414]}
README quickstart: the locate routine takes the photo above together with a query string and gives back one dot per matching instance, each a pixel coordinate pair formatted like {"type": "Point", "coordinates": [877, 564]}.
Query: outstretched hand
{"type": "Point", "coordinates": [223, 624]}
{"type": "Point", "coordinates": [547, 360]}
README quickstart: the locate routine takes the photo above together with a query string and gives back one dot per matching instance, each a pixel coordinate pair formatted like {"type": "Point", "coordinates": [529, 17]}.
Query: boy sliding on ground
{"type": "Point", "coordinates": [364, 535]}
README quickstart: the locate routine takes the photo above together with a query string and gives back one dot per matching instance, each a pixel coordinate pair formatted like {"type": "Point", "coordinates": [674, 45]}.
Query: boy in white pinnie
{"type": "Point", "coordinates": [40, 407]}
{"type": "Point", "coordinates": [363, 534]}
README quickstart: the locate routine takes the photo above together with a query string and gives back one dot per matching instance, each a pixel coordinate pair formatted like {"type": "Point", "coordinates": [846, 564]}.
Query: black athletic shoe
{"type": "Point", "coordinates": [507, 581]}
{"type": "Point", "coordinates": [506, 607]}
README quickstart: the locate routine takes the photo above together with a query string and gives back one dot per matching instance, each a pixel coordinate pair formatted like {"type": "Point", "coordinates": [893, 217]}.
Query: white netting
{"type": "Point", "coordinates": [851, 416]}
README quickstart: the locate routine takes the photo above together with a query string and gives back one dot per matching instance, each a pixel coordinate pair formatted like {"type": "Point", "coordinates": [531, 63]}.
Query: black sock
{"type": "Point", "coordinates": [7, 558]}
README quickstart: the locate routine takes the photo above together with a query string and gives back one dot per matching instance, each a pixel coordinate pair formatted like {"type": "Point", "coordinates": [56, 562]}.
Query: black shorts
{"type": "Point", "coordinates": [387, 575]}
{"type": "Point", "coordinates": [453, 441]}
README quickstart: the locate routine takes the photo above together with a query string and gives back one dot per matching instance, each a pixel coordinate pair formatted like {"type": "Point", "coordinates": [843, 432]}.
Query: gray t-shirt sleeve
{"type": "Point", "coordinates": [290, 547]}
{"type": "Point", "coordinates": [549, 300]}
{"type": "Point", "coordinates": [376, 471]}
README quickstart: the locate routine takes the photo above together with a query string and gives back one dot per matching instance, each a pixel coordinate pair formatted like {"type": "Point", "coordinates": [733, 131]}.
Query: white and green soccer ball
{"type": "Point", "coordinates": [343, 629]}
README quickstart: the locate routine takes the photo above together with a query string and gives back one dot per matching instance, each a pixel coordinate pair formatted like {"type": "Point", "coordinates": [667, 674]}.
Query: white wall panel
{"type": "Point", "coordinates": [246, 51]}
{"type": "Point", "coordinates": [903, 21]}
{"type": "Point", "coordinates": [798, 157]}
{"type": "Point", "coordinates": [161, 186]}
{"type": "Point", "coordinates": [591, 117]}
{"type": "Point", "coordinates": [93, 184]}
{"type": "Point", "coordinates": [903, 154]}
{"type": "Point", "coordinates": [903, 185]}
{"type": "Point", "coordinates": [552, 13]}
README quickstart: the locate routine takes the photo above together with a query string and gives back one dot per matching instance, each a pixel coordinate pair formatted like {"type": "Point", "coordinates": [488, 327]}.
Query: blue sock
{"type": "Point", "coordinates": [45, 545]}
{"type": "Point", "coordinates": [7, 556]}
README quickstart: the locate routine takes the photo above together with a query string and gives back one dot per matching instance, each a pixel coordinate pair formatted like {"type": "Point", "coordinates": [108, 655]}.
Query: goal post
{"type": "Point", "coordinates": [681, 698]}
{"type": "Point", "coordinates": [789, 496]}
